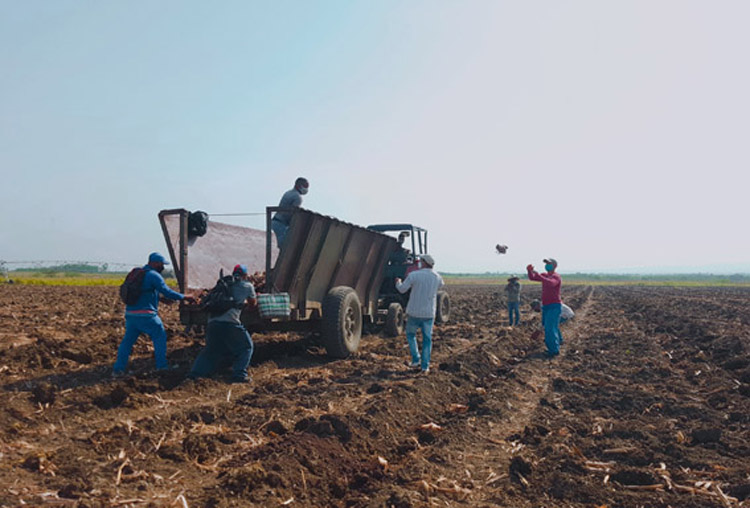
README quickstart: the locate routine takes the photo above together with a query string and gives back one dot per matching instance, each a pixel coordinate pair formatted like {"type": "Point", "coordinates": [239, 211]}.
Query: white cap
{"type": "Point", "coordinates": [428, 260]}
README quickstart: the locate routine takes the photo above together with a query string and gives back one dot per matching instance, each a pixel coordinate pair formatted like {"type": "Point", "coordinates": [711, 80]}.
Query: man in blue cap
{"type": "Point", "coordinates": [143, 316]}
{"type": "Point", "coordinates": [226, 335]}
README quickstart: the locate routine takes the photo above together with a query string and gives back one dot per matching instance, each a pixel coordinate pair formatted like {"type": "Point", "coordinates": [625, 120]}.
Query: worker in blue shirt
{"type": "Point", "coordinates": [143, 316]}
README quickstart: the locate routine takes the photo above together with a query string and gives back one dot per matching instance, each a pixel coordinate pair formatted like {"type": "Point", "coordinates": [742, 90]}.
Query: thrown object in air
{"type": "Point", "coordinates": [501, 249]}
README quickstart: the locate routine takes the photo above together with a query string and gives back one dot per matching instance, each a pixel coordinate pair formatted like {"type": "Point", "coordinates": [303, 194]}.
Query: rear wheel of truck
{"type": "Point", "coordinates": [443, 313]}
{"type": "Point", "coordinates": [341, 326]}
{"type": "Point", "coordinates": [394, 320]}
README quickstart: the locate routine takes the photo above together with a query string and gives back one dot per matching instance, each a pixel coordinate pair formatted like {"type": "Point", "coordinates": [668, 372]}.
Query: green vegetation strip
{"type": "Point", "coordinates": [64, 278]}
{"type": "Point", "coordinates": [69, 279]}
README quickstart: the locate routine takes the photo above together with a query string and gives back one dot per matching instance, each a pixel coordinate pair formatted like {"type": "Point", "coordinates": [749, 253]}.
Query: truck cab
{"type": "Point", "coordinates": [412, 242]}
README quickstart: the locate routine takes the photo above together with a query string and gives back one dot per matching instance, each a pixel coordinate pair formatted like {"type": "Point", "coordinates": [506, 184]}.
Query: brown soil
{"type": "Point", "coordinates": [648, 405]}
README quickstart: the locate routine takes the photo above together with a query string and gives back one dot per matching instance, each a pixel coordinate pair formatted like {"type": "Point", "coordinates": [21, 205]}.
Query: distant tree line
{"type": "Point", "coordinates": [67, 268]}
{"type": "Point", "coordinates": [614, 277]}
{"type": "Point", "coordinates": [676, 277]}
{"type": "Point", "coordinates": [79, 268]}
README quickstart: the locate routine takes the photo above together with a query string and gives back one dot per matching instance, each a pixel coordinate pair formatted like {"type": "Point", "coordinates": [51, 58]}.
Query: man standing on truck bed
{"type": "Point", "coordinates": [291, 199]}
{"type": "Point", "coordinates": [225, 333]}
{"type": "Point", "coordinates": [551, 304]}
{"type": "Point", "coordinates": [143, 317]}
{"type": "Point", "coordinates": [420, 310]}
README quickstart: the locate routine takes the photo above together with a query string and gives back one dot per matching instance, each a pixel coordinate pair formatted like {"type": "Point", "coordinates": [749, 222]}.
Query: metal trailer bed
{"type": "Point", "coordinates": [331, 270]}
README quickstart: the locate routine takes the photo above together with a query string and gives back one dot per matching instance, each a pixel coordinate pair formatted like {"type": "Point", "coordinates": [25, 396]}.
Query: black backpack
{"type": "Point", "coordinates": [130, 289]}
{"type": "Point", "coordinates": [197, 223]}
{"type": "Point", "coordinates": [219, 299]}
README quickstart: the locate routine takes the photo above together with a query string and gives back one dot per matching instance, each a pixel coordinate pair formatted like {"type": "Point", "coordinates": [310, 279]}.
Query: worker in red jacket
{"type": "Point", "coordinates": [551, 304]}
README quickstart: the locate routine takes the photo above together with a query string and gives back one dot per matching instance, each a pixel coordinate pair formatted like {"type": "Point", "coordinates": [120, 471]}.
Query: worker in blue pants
{"type": "Point", "coordinates": [143, 316]}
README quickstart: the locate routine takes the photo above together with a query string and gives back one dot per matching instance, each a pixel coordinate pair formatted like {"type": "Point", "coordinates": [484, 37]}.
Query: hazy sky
{"type": "Point", "coordinates": [610, 135]}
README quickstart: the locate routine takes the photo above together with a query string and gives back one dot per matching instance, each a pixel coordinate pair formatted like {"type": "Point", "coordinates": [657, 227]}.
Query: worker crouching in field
{"type": "Point", "coordinates": [420, 311]}
{"type": "Point", "coordinates": [566, 314]}
{"type": "Point", "coordinates": [226, 335]}
{"type": "Point", "coordinates": [143, 315]}
{"type": "Point", "coordinates": [513, 293]}
{"type": "Point", "coordinates": [551, 304]}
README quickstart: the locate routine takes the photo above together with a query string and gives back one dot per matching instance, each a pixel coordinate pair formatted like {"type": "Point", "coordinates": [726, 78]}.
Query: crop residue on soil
{"type": "Point", "coordinates": [648, 405]}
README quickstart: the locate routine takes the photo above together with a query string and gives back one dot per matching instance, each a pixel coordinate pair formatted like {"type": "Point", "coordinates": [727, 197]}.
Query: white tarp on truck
{"type": "Point", "coordinates": [222, 247]}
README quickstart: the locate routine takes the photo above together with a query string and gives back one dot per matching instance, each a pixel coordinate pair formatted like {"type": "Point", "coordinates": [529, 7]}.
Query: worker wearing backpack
{"type": "Point", "coordinates": [143, 315]}
{"type": "Point", "coordinates": [225, 334]}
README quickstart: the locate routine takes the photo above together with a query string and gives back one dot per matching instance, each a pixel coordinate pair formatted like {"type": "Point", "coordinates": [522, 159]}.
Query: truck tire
{"type": "Point", "coordinates": [443, 313]}
{"type": "Point", "coordinates": [341, 326]}
{"type": "Point", "coordinates": [394, 320]}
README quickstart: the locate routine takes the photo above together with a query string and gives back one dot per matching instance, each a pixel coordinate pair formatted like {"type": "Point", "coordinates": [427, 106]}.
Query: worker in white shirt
{"type": "Point", "coordinates": [420, 311]}
{"type": "Point", "coordinates": [566, 312]}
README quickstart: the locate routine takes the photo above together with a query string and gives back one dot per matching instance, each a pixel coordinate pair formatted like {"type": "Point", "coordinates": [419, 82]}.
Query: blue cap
{"type": "Point", "coordinates": [240, 270]}
{"type": "Point", "coordinates": [155, 257]}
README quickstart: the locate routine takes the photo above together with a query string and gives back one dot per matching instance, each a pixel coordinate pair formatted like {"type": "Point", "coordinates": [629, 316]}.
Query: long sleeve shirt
{"type": "Point", "coordinates": [148, 302]}
{"type": "Point", "coordinates": [551, 284]}
{"type": "Point", "coordinates": [424, 285]}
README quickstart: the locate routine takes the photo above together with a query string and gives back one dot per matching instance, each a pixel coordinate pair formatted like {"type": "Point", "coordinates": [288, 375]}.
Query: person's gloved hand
{"type": "Point", "coordinates": [529, 268]}
{"type": "Point", "coordinates": [189, 299]}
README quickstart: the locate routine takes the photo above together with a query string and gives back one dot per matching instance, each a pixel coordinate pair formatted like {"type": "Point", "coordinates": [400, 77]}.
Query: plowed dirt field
{"type": "Point", "coordinates": [647, 406]}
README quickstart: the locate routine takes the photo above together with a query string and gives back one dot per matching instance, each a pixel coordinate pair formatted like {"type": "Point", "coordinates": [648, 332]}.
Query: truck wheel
{"type": "Point", "coordinates": [341, 326]}
{"type": "Point", "coordinates": [443, 313]}
{"type": "Point", "coordinates": [394, 320]}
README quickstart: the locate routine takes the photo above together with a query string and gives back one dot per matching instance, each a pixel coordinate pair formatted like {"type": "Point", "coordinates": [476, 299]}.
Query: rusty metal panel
{"type": "Point", "coordinates": [311, 261]}
{"type": "Point", "coordinates": [322, 252]}
{"type": "Point", "coordinates": [321, 276]}
{"type": "Point", "coordinates": [170, 226]}
{"type": "Point", "coordinates": [370, 259]}
{"type": "Point", "coordinates": [383, 252]}
{"type": "Point", "coordinates": [354, 266]}
{"type": "Point", "coordinates": [283, 273]}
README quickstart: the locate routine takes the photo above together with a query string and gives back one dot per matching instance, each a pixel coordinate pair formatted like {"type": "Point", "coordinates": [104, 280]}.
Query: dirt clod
{"type": "Point", "coordinates": [634, 477]}
{"type": "Point", "coordinates": [706, 436]}
{"type": "Point", "coordinates": [520, 466]}
{"type": "Point", "coordinates": [200, 447]}
{"type": "Point", "coordinates": [276, 427]}
{"type": "Point", "coordinates": [242, 480]}
{"type": "Point", "coordinates": [114, 398]}
{"type": "Point", "coordinates": [44, 393]}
